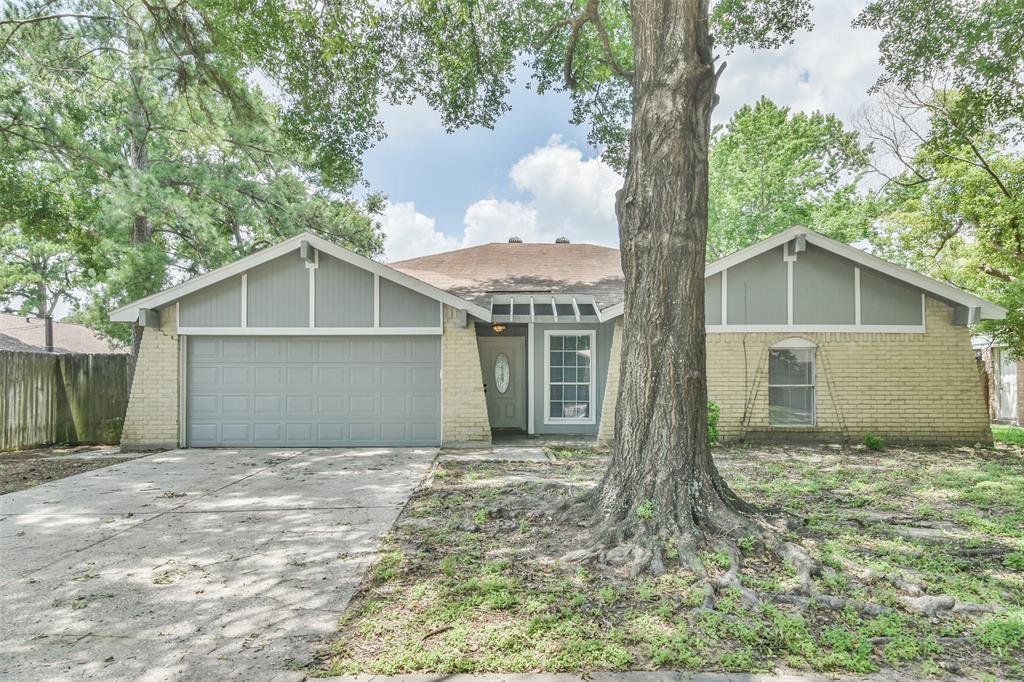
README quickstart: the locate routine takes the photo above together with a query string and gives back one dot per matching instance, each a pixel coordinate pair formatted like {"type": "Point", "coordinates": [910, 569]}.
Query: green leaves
{"type": "Point", "coordinates": [153, 156]}
{"type": "Point", "coordinates": [971, 47]}
{"type": "Point", "coordinates": [771, 169]}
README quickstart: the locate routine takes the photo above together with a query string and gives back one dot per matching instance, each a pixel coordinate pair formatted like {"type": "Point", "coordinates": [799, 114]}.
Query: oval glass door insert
{"type": "Point", "coordinates": [501, 373]}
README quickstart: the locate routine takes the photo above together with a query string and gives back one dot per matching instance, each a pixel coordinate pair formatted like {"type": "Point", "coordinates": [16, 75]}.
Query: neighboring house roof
{"type": "Point", "coordinates": [21, 333]}
{"type": "Point", "coordinates": [478, 273]}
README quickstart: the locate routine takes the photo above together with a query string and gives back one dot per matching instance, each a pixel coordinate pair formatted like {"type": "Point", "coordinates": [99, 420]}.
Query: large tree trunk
{"type": "Point", "coordinates": [662, 484]}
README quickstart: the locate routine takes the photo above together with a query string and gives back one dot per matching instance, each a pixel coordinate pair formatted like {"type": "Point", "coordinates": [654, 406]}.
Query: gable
{"type": "Point", "coordinates": [810, 288]}
{"type": "Point", "coordinates": [292, 292]}
{"type": "Point", "coordinates": [279, 277]}
{"type": "Point", "coordinates": [824, 291]}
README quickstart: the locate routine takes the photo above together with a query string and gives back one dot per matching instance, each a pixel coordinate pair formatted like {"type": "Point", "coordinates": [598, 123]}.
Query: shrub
{"type": "Point", "coordinates": [873, 442]}
{"type": "Point", "coordinates": [714, 411]}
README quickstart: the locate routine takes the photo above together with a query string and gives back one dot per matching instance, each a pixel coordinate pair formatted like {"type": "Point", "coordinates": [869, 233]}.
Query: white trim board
{"type": "Point", "coordinates": [310, 331]}
{"type": "Point", "coordinates": [130, 312]}
{"type": "Point", "coordinates": [816, 328]}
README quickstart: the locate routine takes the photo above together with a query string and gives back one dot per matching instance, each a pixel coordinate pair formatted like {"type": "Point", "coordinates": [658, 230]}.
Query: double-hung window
{"type": "Point", "coordinates": [791, 383]}
{"type": "Point", "coordinates": [569, 377]}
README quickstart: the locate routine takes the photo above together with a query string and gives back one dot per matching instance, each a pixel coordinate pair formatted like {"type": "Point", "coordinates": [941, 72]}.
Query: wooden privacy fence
{"type": "Point", "coordinates": [75, 399]}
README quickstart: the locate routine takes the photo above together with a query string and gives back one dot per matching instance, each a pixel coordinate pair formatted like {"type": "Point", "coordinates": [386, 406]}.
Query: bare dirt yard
{"type": "Point", "coordinates": [921, 553]}
{"type": "Point", "coordinates": [28, 468]}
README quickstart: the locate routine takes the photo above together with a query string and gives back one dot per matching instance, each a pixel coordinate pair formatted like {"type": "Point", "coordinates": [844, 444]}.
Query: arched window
{"type": "Point", "coordinates": [791, 379]}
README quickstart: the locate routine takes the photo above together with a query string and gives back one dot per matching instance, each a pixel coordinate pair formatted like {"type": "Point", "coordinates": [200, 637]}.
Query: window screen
{"type": "Point", "coordinates": [791, 386]}
{"type": "Point", "coordinates": [569, 377]}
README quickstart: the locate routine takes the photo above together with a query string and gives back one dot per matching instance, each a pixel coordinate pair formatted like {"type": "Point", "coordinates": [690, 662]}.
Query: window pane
{"type": "Point", "coordinates": [791, 405]}
{"type": "Point", "coordinates": [569, 377]}
{"type": "Point", "coordinates": [790, 367]}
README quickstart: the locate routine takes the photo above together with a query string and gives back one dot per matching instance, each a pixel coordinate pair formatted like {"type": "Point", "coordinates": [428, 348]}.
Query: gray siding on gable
{"type": "Point", "coordinates": [823, 288]}
{"type": "Point", "coordinates": [279, 293]}
{"type": "Point", "coordinates": [884, 300]}
{"type": "Point", "coordinates": [603, 339]}
{"type": "Point", "coordinates": [757, 290]}
{"type": "Point", "coordinates": [344, 294]}
{"type": "Point", "coordinates": [713, 299]}
{"type": "Point", "coordinates": [401, 307]}
{"type": "Point", "coordinates": [218, 305]}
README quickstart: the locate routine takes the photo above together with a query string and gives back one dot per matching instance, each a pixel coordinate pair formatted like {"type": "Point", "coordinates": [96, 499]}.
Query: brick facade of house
{"type": "Point", "coordinates": [920, 388]}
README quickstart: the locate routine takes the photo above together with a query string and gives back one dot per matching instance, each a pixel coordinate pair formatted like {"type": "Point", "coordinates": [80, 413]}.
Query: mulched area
{"type": "Point", "coordinates": [28, 468]}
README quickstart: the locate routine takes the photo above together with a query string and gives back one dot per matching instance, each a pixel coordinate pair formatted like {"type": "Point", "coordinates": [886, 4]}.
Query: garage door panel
{"type": "Point", "coordinates": [300, 350]}
{"type": "Point", "coordinates": [267, 433]}
{"type": "Point", "coordinates": [363, 377]}
{"type": "Point", "coordinates": [328, 391]}
{"type": "Point", "coordinates": [236, 376]}
{"type": "Point", "coordinates": [236, 404]}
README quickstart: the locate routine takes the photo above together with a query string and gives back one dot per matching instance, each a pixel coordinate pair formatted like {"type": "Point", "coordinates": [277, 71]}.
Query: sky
{"type": "Point", "coordinates": [534, 175]}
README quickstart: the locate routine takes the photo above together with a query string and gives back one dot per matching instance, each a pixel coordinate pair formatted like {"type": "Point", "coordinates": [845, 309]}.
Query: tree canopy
{"type": "Point", "coordinates": [142, 141]}
{"type": "Point", "coordinates": [772, 169]}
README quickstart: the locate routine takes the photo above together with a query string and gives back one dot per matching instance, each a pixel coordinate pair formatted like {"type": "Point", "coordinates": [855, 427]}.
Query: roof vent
{"type": "Point", "coordinates": [515, 240]}
{"type": "Point", "coordinates": [562, 240]}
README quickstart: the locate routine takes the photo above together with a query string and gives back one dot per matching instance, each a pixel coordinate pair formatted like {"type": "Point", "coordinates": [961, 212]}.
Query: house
{"type": "Point", "coordinates": [306, 344]}
{"type": "Point", "coordinates": [1004, 376]}
{"type": "Point", "coordinates": [28, 334]}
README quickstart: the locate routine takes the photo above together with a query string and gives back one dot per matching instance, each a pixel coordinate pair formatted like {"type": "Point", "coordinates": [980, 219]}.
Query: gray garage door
{"type": "Point", "coordinates": [313, 391]}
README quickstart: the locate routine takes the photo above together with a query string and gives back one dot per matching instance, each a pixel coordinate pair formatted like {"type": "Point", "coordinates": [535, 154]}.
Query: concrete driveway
{"type": "Point", "coordinates": [192, 564]}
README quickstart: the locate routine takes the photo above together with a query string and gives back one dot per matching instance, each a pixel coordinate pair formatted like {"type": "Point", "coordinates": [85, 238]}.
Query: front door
{"type": "Point", "coordinates": [503, 363]}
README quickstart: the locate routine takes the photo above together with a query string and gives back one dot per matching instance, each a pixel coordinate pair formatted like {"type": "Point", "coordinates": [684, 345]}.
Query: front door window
{"type": "Point", "coordinates": [502, 374]}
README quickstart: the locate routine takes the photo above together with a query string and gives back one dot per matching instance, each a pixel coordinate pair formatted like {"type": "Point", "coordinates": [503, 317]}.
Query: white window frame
{"type": "Point", "coordinates": [795, 343]}
{"type": "Point", "coordinates": [548, 419]}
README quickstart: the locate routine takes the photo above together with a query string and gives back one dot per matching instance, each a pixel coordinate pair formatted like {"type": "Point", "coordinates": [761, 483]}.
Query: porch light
{"type": "Point", "coordinates": [498, 328]}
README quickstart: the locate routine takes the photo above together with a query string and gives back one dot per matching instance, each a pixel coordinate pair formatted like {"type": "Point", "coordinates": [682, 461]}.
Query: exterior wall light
{"type": "Point", "coordinates": [498, 328]}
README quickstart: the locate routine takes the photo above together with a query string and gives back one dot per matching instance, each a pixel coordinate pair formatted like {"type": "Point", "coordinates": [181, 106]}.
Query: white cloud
{"type": "Point", "coordinates": [828, 69]}
{"type": "Point", "coordinates": [566, 196]}
{"type": "Point", "coordinates": [408, 233]}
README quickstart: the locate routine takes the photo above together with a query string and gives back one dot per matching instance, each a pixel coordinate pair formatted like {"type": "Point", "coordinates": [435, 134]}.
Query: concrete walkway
{"type": "Point", "coordinates": [192, 564]}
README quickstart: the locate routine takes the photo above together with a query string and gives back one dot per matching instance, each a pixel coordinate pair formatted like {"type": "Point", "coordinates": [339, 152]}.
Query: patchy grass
{"type": "Point", "coordinates": [1012, 435]}
{"type": "Point", "coordinates": [471, 578]}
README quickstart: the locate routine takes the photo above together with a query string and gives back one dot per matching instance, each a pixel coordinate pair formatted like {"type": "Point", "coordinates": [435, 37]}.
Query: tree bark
{"type": "Point", "coordinates": [662, 484]}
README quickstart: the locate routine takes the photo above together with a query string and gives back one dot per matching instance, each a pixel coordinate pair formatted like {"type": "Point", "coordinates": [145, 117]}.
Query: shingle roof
{"type": "Point", "coordinates": [21, 333]}
{"type": "Point", "coordinates": [478, 272]}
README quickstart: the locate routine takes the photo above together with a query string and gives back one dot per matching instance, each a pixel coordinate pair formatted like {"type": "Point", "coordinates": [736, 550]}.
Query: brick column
{"type": "Point", "coordinates": [464, 421]}
{"type": "Point", "coordinates": [151, 422]}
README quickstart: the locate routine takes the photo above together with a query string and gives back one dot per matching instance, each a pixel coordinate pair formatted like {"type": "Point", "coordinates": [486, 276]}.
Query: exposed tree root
{"type": "Point", "coordinates": [631, 547]}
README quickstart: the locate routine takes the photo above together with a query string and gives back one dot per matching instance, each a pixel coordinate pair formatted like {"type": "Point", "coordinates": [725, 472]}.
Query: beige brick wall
{"type": "Point", "coordinates": [464, 420]}
{"type": "Point", "coordinates": [606, 430]}
{"type": "Point", "coordinates": [152, 418]}
{"type": "Point", "coordinates": [920, 388]}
